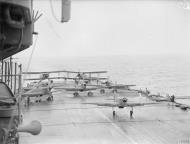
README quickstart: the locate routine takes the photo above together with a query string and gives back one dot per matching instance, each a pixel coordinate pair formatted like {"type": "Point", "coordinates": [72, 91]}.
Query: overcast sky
{"type": "Point", "coordinates": [112, 28]}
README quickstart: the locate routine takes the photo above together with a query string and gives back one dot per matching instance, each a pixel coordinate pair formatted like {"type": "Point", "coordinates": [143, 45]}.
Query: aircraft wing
{"type": "Point", "coordinates": [104, 104]}
{"type": "Point", "coordinates": [32, 94]}
{"type": "Point", "coordinates": [87, 72]}
{"type": "Point", "coordinates": [100, 86]}
{"type": "Point", "coordinates": [28, 73]}
{"type": "Point", "coordinates": [162, 98]}
{"type": "Point", "coordinates": [124, 87]}
{"type": "Point", "coordinates": [74, 89]}
{"type": "Point", "coordinates": [157, 98]}
{"type": "Point", "coordinates": [44, 72]}
{"type": "Point", "coordinates": [67, 88]}
{"type": "Point", "coordinates": [121, 86]}
{"type": "Point", "coordinates": [76, 78]}
{"type": "Point", "coordinates": [117, 105]}
{"type": "Point", "coordinates": [27, 88]}
{"type": "Point", "coordinates": [7, 101]}
{"type": "Point", "coordinates": [95, 78]}
{"type": "Point", "coordinates": [71, 78]}
{"type": "Point", "coordinates": [182, 97]}
{"type": "Point", "coordinates": [32, 79]}
{"type": "Point", "coordinates": [92, 88]}
{"type": "Point", "coordinates": [138, 104]}
{"type": "Point", "coordinates": [59, 71]}
{"type": "Point", "coordinates": [94, 72]}
{"type": "Point", "coordinates": [36, 92]}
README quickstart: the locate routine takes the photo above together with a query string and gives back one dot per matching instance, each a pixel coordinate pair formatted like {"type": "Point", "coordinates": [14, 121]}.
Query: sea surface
{"type": "Point", "coordinates": [165, 74]}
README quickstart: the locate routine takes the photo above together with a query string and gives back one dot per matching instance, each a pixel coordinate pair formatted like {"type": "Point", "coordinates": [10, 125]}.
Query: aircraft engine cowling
{"type": "Point", "coordinates": [124, 100]}
{"type": "Point", "coordinates": [172, 98]}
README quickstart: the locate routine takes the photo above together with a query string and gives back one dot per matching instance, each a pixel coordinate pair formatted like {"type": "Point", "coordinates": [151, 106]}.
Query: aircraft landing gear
{"type": "Point", "coordinates": [114, 113]}
{"type": "Point", "coordinates": [28, 101]}
{"type": "Point", "coordinates": [38, 99]}
{"type": "Point", "coordinates": [102, 91]}
{"type": "Point", "coordinates": [90, 93]}
{"type": "Point", "coordinates": [50, 98]}
{"type": "Point", "coordinates": [76, 94]}
{"type": "Point", "coordinates": [114, 91]}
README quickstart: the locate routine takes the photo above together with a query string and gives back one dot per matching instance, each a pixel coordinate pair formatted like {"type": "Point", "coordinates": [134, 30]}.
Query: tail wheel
{"type": "Point", "coordinates": [90, 94]}
{"type": "Point", "coordinates": [102, 91]}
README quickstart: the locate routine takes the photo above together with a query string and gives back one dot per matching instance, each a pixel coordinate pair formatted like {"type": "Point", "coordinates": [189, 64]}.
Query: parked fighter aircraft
{"type": "Point", "coordinates": [121, 102]}
{"type": "Point", "coordinates": [38, 90]}
{"type": "Point", "coordinates": [42, 75]}
{"type": "Point", "coordinates": [111, 85]}
{"type": "Point", "coordinates": [78, 88]}
{"type": "Point", "coordinates": [85, 76]}
{"type": "Point", "coordinates": [119, 87]}
{"type": "Point", "coordinates": [167, 98]}
{"type": "Point", "coordinates": [79, 84]}
{"type": "Point", "coordinates": [114, 87]}
{"type": "Point", "coordinates": [159, 98]}
{"type": "Point", "coordinates": [172, 99]}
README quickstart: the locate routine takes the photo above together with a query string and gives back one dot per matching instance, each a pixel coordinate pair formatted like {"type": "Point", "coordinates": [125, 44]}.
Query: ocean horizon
{"type": "Point", "coordinates": [159, 73]}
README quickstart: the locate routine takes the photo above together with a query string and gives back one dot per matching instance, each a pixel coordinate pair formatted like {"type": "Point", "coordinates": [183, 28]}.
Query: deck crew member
{"type": "Point", "coordinates": [131, 113]}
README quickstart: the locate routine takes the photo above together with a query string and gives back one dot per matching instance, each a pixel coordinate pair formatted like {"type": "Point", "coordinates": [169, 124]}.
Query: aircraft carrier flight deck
{"type": "Point", "coordinates": [68, 120]}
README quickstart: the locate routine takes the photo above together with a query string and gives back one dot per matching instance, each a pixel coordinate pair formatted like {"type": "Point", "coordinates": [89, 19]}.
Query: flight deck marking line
{"type": "Point", "coordinates": [117, 128]}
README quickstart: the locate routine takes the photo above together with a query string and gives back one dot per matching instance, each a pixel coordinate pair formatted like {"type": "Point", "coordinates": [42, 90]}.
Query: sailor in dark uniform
{"type": "Point", "coordinates": [172, 98]}
{"type": "Point", "coordinates": [131, 113]}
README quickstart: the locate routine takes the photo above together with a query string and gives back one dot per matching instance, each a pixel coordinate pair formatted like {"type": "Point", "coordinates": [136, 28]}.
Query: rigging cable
{"type": "Point", "coordinates": [53, 29]}
{"type": "Point", "coordinates": [30, 59]}
{"type": "Point", "coordinates": [53, 12]}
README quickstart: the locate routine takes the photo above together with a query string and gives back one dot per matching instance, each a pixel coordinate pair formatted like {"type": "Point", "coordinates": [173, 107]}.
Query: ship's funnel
{"type": "Point", "coordinates": [33, 128]}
